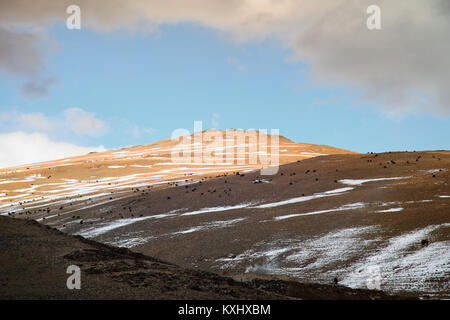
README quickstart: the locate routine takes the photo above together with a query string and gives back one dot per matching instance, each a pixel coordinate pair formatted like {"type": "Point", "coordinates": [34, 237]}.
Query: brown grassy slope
{"type": "Point", "coordinates": [34, 258]}
{"type": "Point", "coordinates": [204, 249]}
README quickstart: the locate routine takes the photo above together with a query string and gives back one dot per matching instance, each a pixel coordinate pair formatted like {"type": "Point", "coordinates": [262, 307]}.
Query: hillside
{"type": "Point", "coordinates": [158, 165]}
{"type": "Point", "coordinates": [34, 260]}
{"type": "Point", "coordinates": [320, 218]}
{"type": "Point", "coordinates": [355, 217]}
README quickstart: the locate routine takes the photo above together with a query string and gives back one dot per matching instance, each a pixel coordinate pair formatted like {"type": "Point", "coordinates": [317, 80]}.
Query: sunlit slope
{"type": "Point", "coordinates": [160, 164]}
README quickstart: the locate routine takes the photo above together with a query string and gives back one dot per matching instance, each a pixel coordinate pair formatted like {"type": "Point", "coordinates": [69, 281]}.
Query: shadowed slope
{"type": "Point", "coordinates": [34, 259]}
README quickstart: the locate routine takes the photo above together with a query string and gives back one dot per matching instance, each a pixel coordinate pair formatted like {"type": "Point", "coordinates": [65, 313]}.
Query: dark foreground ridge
{"type": "Point", "coordinates": [34, 259]}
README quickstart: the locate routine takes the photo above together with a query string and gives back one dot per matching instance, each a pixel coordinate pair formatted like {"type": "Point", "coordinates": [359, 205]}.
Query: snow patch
{"type": "Point", "coordinates": [109, 226]}
{"type": "Point", "coordinates": [305, 198]}
{"type": "Point", "coordinates": [210, 225]}
{"type": "Point", "coordinates": [391, 210]}
{"type": "Point", "coordinates": [405, 265]}
{"type": "Point", "coordinates": [217, 209]}
{"type": "Point", "coordinates": [358, 182]}
{"type": "Point", "coordinates": [351, 206]}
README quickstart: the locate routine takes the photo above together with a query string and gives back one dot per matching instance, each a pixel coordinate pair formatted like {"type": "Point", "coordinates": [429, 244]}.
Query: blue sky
{"type": "Point", "coordinates": [143, 86]}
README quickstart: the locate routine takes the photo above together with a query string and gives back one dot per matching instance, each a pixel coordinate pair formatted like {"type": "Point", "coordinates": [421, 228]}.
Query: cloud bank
{"type": "Point", "coordinates": [30, 137]}
{"type": "Point", "coordinates": [71, 121]}
{"type": "Point", "coordinates": [36, 147]}
{"type": "Point", "coordinates": [404, 67]}
{"type": "Point", "coordinates": [23, 54]}
{"type": "Point", "coordinates": [83, 122]}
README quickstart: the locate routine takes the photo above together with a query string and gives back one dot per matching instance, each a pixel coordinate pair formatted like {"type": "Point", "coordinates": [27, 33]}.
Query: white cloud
{"type": "Point", "coordinates": [22, 148]}
{"type": "Point", "coordinates": [35, 121]}
{"type": "Point", "coordinates": [84, 123]}
{"type": "Point", "coordinates": [70, 121]}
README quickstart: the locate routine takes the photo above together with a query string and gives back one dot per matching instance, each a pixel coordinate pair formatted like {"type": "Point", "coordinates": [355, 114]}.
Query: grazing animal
{"type": "Point", "coordinates": [337, 285]}
{"type": "Point", "coordinates": [425, 243]}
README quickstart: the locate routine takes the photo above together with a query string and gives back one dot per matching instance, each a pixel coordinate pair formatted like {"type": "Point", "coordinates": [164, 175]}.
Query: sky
{"type": "Point", "coordinates": [137, 71]}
